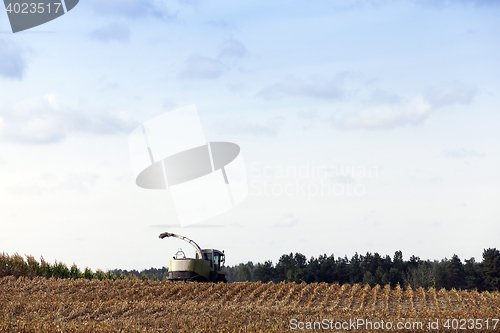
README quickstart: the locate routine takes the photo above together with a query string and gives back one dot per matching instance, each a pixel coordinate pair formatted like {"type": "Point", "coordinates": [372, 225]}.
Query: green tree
{"type": "Point", "coordinates": [368, 278]}
{"type": "Point", "coordinates": [420, 276]}
{"type": "Point", "coordinates": [87, 274]}
{"type": "Point", "coordinates": [100, 275]}
{"type": "Point", "coordinates": [328, 269]}
{"type": "Point", "coordinates": [380, 276]}
{"type": "Point", "coordinates": [111, 276]}
{"type": "Point", "coordinates": [455, 273]}
{"type": "Point", "coordinates": [264, 272]}
{"type": "Point", "coordinates": [60, 271]}
{"type": "Point", "coordinates": [312, 271]}
{"type": "Point", "coordinates": [244, 273]}
{"type": "Point", "coordinates": [398, 262]}
{"type": "Point", "coordinates": [473, 277]}
{"type": "Point", "coordinates": [439, 273]}
{"type": "Point", "coordinates": [75, 273]}
{"type": "Point", "coordinates": [285, 268]}
{"type": "Point", "coordinates": [393, 277]}
{"type": "Point", "coordinates": [45, 268]}
{"type": "Point", "coordinates": [414, 262]}
{"type": "Point", "coordinates": [342, 271]}
{"type": "Point", "coordinates": [33, 266]}
{"type": "Point", "coordinates": [355, 270]}
{"type": "Point", "coordinates": [491, 268]}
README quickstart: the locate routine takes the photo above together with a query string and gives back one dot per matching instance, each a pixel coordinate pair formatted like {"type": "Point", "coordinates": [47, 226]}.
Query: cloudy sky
{"type": "Point", "coordinates": [364, 126]}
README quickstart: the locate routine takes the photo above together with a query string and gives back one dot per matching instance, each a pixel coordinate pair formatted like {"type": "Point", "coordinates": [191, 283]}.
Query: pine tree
{"type": "Point", "coordinates": [491, 268]}
{"type": "Point", "coordinates": [455, 273]}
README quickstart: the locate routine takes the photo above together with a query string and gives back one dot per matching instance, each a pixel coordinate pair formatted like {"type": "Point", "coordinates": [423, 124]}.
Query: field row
{"type": "Point", "coordinates": [167, 306]}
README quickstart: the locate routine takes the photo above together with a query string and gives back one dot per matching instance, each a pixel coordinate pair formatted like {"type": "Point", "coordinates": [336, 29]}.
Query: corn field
{"type": "Point", "coordinates": [79, 305]}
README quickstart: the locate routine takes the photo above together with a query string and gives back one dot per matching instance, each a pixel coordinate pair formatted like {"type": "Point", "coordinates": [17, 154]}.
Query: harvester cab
{"type": "Point", "coordinates": [205, 267]}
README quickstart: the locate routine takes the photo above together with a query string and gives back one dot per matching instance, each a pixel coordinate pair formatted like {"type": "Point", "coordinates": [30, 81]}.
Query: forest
{"type": "Point", "coordinates": [371, 269]}
{"type": "Point", "coordinates": [375, 269]}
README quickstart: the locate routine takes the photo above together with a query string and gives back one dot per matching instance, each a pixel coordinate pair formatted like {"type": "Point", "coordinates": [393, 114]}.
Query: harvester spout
{"type": "Point", "coordinates": [197, 248]}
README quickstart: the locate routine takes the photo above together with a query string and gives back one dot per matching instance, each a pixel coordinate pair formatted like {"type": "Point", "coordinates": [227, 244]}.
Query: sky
{"type": "Point", "coordinates": [364, 126]}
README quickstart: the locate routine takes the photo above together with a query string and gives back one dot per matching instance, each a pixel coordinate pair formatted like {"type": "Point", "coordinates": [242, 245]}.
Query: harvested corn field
{"type": "Point", "coordinates": [80, 305]}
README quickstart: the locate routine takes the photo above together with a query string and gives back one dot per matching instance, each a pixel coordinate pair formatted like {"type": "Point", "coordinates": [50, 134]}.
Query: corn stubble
{"type": "Point", "coordinates": [80, 305]}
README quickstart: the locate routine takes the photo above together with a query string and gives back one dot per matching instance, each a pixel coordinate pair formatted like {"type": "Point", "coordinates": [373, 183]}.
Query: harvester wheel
{"type": "Point", "coordinates": [199, 278]}
{"type": "Point", "coordinates": [221, 279]}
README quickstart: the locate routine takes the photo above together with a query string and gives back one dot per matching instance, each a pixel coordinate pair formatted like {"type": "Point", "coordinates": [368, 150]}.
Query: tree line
{"type": "Point", "coordinates": [369, 269]}
{"type": "Point", "coordinates": [149, 274]}
{"type": "Point", "coordinates": [375, 269]}
{"type": "Point", "coordinates": [17, 266]}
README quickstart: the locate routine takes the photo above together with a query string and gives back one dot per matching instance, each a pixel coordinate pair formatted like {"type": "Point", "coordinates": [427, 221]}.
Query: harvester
{"type": "Point", "coordinates": [205, 267]}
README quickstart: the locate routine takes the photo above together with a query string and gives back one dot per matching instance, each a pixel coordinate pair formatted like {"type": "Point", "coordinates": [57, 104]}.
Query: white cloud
{"type": "Point", "coordinates": [189, 2]}
{"type": "Point", "coordinates": [308, 114]}
{"type": "Point", "coordinates": [222, 24]}
{"type": "Point", "coordinates": [388, 111]}
{"type": "Point", "coordinates": [462, 153]}
{"type": "Point", "coordinates": [436, 224]}
{"type": "Point", "coordinates": [78, 182]}
{"type": "Point", "coordinates": [201, 67]}
{"type": "Point", "coordinates": [270, 127]}
{"type": "Point", "coordinates": [444, 3]}
{"type": "Point", "coordinates": [132, 8]}
{"type": "Point", "coordinates": [169, 104]}
{"type": "Point", "coordinates": [452, 94]}
{"type": "Point", "coordinates": [113, 32]}
{"type": "Point", "coordinates": [26, 189]}
{"type": "Point", "coordinates": [287, 221]}
{"type": "Point", "coordinates": [82, 182]}
{"type": "Point", "coordinates": [232, 50]}
{"type": "Point", "coordinates": [381, 97]}
{"type": "Point", "coordinates": [315, 88]}
{"type": "Point", "coordinates": [412, 113]}
{"type": "Point", "coordinates": [39, 120]}
{"type": "Point", "coordinates": [12, 60]}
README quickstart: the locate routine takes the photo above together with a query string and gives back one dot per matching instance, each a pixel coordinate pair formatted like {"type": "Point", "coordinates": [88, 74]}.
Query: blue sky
{"type": "Point", "coordinates": [364, 125]}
